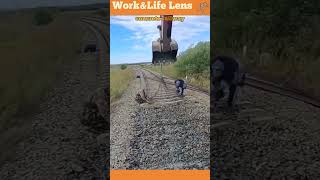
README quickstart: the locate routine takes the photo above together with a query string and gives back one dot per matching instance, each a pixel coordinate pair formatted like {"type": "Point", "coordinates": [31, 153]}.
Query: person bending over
{"type": "Point", "coordinates": [226, 78]}
{"type": "Point", "coordinates": [180, 86]}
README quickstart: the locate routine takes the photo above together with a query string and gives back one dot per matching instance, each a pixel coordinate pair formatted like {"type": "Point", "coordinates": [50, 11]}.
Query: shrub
{"type": "Point", "coordinates": [123, 66]}
{"type": "Point", "coordinates": [43, 18]}
{"type": "Point", "coordinates": [195, 60]}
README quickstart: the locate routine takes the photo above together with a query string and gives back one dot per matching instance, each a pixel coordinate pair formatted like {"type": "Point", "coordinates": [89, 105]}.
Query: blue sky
{"type": "Point", "coordinates": [130, 40]}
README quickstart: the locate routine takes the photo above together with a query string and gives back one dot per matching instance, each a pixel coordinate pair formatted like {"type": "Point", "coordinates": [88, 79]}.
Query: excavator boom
{"type": "Point", "coordinates": [164, 49]}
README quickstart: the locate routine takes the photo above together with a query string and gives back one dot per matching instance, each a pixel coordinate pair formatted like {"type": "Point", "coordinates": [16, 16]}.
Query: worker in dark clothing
{"type": "Point", "coordinates": [225, 72]}
{"type": "Point", "coordinates": [180, 86]}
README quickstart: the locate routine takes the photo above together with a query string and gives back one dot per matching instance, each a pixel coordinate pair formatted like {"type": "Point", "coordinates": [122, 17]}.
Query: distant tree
{"type": "Point", "coordinates": [123, 67]}
{"type": "Point", "coordinates": [43, 17]}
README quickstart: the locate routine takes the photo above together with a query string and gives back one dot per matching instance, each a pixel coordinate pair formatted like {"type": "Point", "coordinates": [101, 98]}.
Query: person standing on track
{"type": "Point", "coordinates": [225, 74]}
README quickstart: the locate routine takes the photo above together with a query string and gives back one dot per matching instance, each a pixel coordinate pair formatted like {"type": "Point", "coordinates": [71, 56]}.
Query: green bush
{"type": "Point", "coordinates": [286, 30]}
{"type": "Point", "coordinates": [195, 60]}
{"type": "Point", "coordinates": [43, 18]}
{"type": "Point", "coordinates": [123, 66]}
{"type": "Point", "coordinates": [269, 26]}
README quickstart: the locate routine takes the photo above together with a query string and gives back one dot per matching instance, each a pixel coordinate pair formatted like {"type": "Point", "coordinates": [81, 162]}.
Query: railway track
{"type": "Point", "coordinates": [256, 83]}
{"type": "Point", "coordinates": [96, 19]}
{"type": "Point", "coordinates": [95, 23]}
{"type": "Point", "coordinates": [277, 89]}
{"type": "Point", "coordinates": [165, 91]}
{"type": "Point", "coordinates": [99, 28]}
{"type": "Point", "coordinates": [101, 75]}
{"type": "Point", "coordinates": [272, 135]}
{"type": "Point", "coordinates": [257, 113]}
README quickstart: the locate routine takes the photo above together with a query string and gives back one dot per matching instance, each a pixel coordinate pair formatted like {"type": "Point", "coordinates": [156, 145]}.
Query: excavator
{"type": "Point", "coordinates": [164, 49]}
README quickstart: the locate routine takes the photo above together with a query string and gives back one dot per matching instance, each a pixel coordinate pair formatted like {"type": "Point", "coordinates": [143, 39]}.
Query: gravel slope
{"type": "Point", "coordinates": [273, 137]}
{"type": "Point", "coordinates": [121, 126]}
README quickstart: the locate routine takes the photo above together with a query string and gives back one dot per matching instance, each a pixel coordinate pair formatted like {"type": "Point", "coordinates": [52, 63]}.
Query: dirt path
{"type": "Point", "coordinates": [162, 135]}
{"type": "Point", "coordinates": [60, 147]}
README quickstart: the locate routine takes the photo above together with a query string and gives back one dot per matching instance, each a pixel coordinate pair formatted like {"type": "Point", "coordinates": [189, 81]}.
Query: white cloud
{"type": "Point", "coordinates": [139, 47]}
{"type": "Point", "coordinates": [144, 32]}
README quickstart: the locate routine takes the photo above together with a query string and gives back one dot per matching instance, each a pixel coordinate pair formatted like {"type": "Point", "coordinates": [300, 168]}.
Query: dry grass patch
{"type": "Point", "coordinates": [119, 81]}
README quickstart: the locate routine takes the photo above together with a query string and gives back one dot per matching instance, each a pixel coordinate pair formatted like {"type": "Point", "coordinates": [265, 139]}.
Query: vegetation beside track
{"type": "Point", "coordinates": [119, 81]}
{"type": "Point", "coordinates": [194, 63]}
{"type": "Point", "coordinates": [281, 38]}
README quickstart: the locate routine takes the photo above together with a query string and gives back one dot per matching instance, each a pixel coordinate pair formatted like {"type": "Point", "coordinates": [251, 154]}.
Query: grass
{"type": "Point", "coordinates": [119, 81]}
{"type": "Point", "coordinates": [31, 61]}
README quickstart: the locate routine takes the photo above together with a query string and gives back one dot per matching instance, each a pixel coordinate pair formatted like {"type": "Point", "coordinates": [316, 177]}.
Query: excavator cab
{"type": "Point", "coordinates": [164, 49]}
